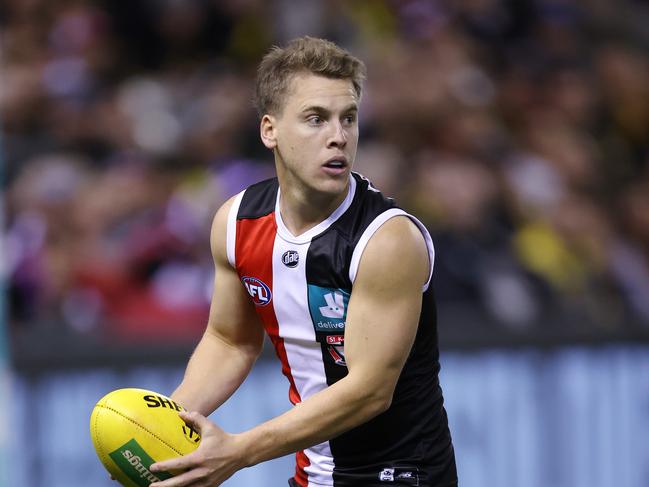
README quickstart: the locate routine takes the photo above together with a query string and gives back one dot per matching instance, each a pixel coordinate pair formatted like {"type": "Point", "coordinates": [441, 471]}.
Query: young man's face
{"type": "Point", "coordinates": [316, 134]}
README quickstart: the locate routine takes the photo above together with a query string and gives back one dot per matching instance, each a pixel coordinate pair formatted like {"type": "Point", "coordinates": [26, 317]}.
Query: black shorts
{"type": "Point", "coordinates": [293, 483]}
{"type": "Point", "coordinates": [402, 474]}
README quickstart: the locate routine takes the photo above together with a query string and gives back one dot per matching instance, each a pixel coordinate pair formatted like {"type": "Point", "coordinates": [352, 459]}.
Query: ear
{"type": "Point", "coordinates": [267, 131]}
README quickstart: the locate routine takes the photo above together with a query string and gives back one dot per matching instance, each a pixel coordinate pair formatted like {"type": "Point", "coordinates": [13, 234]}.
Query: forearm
{"type": "Point", "coordinates": [306, 424]}
{"type": "Point", "coordinates": [214, 372]}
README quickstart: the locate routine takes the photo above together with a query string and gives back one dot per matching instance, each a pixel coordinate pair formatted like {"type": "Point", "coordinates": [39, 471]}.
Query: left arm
{"type": "Point", "coordinates": [382, 320]}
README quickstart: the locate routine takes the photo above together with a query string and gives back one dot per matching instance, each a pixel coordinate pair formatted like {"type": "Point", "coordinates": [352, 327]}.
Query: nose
{"type": "Point", "coordinates": [337, 136]}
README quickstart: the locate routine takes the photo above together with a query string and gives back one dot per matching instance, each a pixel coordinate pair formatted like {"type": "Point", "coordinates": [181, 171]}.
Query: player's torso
{"type": "Point", "coordinates": [301, 285]}
{"type": "Point", "coordinates": [301, 288]}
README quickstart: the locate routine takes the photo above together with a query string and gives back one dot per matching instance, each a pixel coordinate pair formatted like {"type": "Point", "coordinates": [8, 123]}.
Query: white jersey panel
{"type": "Point", "coordinates": [321, 465]}
{"type": "Point", "coordinates": [303, 352]}
{"type": "Point", "coordinates": [231, 229]}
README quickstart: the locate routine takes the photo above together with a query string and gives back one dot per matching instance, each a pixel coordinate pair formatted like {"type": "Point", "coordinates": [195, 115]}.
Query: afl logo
{"type": "Point", "coordinates": [290, 258]}
{"type": "Point", "coordinates": [258, 290]}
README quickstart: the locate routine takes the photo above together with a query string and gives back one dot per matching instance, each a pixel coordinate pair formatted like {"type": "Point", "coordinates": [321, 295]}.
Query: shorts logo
{"type": "Point", "coordinates": [290, 258]}
{"type": "Point", "coordinates": [387, 475]}
{"type": "Point", "coordinates": [258, 290]}
{"type": "Point", "coordinates": [400, 475]}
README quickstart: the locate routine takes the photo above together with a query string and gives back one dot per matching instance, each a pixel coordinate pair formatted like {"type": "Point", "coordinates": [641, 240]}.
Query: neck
{"type": "Point", "coordinates": [302, 210]}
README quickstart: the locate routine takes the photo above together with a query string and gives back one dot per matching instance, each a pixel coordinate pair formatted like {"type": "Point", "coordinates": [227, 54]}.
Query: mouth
{"type": "Point", "coordinates": [336, 163]}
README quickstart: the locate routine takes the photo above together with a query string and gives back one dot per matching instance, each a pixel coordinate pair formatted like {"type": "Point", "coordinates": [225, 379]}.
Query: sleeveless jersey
{"type": "Point", "coordinates": [301, 287]}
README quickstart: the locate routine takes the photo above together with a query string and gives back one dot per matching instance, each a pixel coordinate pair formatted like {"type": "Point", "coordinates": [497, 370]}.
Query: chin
{"type": "Point", "coordinates": [332, 186]}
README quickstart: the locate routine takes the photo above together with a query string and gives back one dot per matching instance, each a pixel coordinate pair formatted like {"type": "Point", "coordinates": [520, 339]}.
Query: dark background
{"type": "Point", "coordinates": [517, 131]}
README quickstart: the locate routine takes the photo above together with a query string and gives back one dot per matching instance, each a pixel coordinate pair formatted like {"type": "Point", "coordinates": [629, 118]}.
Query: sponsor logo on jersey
{"type": "Point", "coordinates": [337, 353]}
{"type": "Point", "coordinates": [335, 307]}
{"type": "Point", "coordinates": [290, 258]}
{"type": "Point", "coordinates": [328, 308]}
{"type": "Point", "coordinates": [335, 339]}
{"type": "Point", "coordinates": [258, 290]}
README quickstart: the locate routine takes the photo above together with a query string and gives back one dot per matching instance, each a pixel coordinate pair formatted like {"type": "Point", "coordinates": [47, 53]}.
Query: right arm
{"type": "Point", "coordinates": [233, 338]}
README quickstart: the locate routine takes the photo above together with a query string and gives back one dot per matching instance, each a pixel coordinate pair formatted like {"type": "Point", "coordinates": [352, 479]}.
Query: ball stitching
{"type": "Point", "coordinates": [145, 429]}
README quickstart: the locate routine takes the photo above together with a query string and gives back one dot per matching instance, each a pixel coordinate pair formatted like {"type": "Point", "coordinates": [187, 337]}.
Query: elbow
{"type": "Point", "coordinates": [378, 402]}
{"type": "Point", "coordinates": [370, 395]}
{"type": "Point", "coordinates": [385, 403]}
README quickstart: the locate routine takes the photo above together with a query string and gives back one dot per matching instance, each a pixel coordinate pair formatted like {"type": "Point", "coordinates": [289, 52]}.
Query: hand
{"type": "Point", "coordinates": [216, 459]}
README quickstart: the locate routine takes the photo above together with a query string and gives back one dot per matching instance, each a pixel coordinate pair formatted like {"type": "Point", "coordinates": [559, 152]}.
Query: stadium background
{"type": "Point", "coordinates": [518, 130]}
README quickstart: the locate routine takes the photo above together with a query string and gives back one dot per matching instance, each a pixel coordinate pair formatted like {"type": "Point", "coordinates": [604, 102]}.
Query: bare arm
{"type": "Point", "coordinates": [233, 337]}
{"type": "Point", "coordinates": [381, 325]}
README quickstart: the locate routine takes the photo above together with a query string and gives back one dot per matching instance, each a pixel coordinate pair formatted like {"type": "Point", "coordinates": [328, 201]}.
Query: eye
{"type": "Point", "coordinates": [349, 119]}
{"type": "Point", "coordinates": [314, 120]}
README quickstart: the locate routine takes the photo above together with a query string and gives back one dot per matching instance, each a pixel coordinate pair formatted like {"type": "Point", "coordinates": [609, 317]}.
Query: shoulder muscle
{"type": "Point", "coordinates": [396, 252]}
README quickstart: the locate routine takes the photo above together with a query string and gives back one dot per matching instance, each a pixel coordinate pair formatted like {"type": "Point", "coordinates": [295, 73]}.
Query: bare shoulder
{"type": "Point", "coordinates": [218, 234]}
{"type": "Point", "coordinates": [396, 251]}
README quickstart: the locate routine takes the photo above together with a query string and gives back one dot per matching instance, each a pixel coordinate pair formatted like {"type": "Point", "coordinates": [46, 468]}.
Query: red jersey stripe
{"type": "Point", "coordinates": [254, 257]}
{"type": "Point", "coordinates": [301, 462]}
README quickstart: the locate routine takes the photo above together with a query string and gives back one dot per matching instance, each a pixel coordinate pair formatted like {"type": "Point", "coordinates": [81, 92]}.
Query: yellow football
{"type": "Point", "coordinates": [134, 428]}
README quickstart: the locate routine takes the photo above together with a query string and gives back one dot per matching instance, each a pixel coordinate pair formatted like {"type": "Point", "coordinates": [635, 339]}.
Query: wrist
{"type": "Point", "coordinates": [244, 449]}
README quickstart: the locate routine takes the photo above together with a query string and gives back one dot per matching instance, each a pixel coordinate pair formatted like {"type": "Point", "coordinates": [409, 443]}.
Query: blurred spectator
{"type": "Point", "coordinates": [518, 131]}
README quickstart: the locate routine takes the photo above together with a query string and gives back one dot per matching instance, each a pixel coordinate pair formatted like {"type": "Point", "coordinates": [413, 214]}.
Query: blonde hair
{"type": "Point", "coordinates": [304, 54]}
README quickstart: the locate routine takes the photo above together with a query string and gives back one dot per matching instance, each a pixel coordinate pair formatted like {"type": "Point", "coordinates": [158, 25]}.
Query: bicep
{"type": "Point", "coordinates": [385, 304]}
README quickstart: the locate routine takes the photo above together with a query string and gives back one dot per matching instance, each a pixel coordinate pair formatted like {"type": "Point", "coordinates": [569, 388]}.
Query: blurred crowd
{"type": "Point", "coordinates": [517, 130]}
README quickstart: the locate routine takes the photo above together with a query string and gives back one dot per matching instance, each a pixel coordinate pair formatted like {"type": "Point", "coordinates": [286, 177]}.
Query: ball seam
{"type": "Point", "coordinates": [94, 434]}
{"type": "Point", "coordinates": [145, 429]}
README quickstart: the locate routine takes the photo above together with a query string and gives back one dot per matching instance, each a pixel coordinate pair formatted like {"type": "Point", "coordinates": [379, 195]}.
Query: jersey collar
{"type": "Point", "coordinates": [305, 237]}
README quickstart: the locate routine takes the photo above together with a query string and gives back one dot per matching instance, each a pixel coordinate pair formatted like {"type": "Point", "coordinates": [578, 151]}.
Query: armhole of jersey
{"type": "Point", "coordinates": [231, 229]}
{"type": "Point", "coordinates": [371, 230]}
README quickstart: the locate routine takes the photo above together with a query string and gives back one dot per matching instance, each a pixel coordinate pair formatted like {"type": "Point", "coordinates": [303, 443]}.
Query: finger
{"type": "Point", "coordinates": [186, 479]}
{"type": "Point", "coordinates": [195, 420]}
{"type": "Point", "coordinates": [178, 463]}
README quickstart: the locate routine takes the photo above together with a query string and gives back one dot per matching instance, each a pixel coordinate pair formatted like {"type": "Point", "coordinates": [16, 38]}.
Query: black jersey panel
{"type": "Point", "coordinates": [259, 199]}
{"type": "Point", "coordinates": [328, 260]}
{"type": "Point", "coordinates": [367, 205]}
{"type": "Point", "coordinates": [327, 273]}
